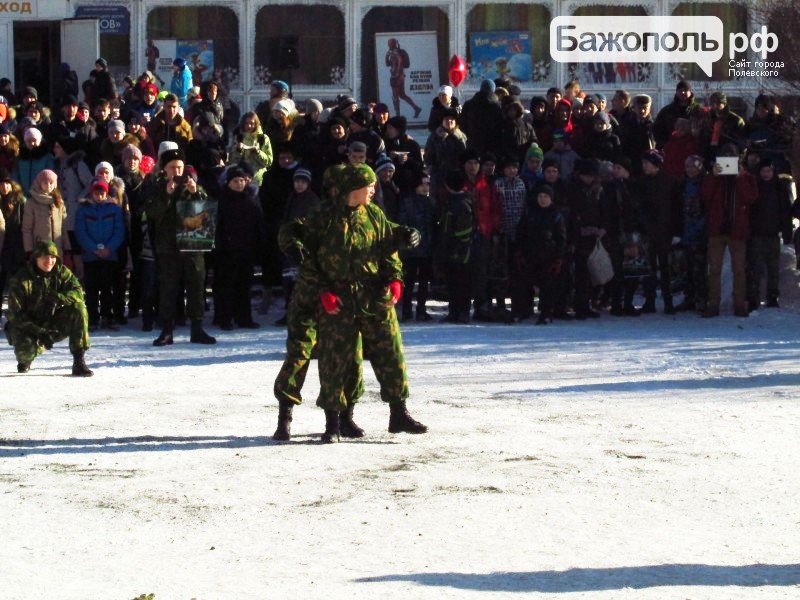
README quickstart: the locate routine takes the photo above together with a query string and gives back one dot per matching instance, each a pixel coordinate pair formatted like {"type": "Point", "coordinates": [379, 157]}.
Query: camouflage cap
{"type": "Point", "coordinates": [354, 177]}
{"type": "Point", "coordinates": [45, 248]}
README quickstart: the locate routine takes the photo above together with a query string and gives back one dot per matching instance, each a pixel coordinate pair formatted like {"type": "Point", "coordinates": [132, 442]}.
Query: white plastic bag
{"type": "Point", "coordinates": [601, 270]}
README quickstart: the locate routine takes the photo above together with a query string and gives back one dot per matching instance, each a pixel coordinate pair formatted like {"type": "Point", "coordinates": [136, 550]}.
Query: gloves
{"type": "Point", "coordinates": [676, 240]}
{"type": "Point", "coordinates": [412, 237]}
{"type": "Point", "coordinates": [50, 305]}
{"type": "Point", "coordinates": [331, 303]}
{"type": "Point", "coordinates": [395, 290]}
{"type": "Point", "coordinates": [296, 254]}
{"type": "Point", "coordinates": [555, 268]}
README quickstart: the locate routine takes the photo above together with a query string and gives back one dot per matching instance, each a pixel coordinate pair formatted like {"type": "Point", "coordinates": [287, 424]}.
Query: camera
{"type": "Point", "coordinates": [180, 180]}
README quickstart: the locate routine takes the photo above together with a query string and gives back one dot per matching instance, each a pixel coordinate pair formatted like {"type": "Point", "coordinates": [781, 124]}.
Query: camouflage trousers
{"type": "Point", "coordinates": [70, 321]}
{"type": "Point", "coordinates": [301, 321]}
{"type": "Point", "coordinates": [339, 352]}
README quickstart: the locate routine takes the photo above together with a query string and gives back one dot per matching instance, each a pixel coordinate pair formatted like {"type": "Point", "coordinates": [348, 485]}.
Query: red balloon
{"type": "Point", "coordinates": [457, 71]}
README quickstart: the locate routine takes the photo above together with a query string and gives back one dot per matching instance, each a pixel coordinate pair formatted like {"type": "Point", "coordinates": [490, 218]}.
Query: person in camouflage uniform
{"type": "Point", "coordinates": [161, 194]}
{"type": "Point", "coordinates": [45, 306]}
{"type": "Point", "coordinates": [353, 263]}
{"type": "Point", "coordinates": [302, 320]}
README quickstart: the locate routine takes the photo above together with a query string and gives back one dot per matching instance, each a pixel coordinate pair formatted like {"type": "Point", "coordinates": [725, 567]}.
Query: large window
{"type": "Point", "coordinates": [192, 27]}
{"type": "Point", "coordinates": [617, 73]}
{"type": "Point", "coordinates": [406, 19]}
{"type": "Point", "coordinates": [523, 56]}
{"type": "Point", "coordinates": [315, 32]}
{"type": "Point", "coordinates": [734, 20]}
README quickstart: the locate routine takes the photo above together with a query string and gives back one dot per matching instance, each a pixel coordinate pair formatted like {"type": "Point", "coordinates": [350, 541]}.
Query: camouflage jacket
{"type": "Point", "coordinates": [353, 253]}
{"type": "Point", "coordinates": [30, 290]}
{"type": "Point", "coordinates": [161, 208]}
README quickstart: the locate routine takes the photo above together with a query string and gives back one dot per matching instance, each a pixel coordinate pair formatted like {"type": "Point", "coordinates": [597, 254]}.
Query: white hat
{"type": "Point", "coordinates": [285, 107]}
{"type": "Point", "coordinates": [166, 146]}
{"type": "Point", "coordinates": [446, 89]}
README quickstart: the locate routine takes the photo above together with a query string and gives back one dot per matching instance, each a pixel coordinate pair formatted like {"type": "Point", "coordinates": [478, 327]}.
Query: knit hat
{"type": "Point", "coordinates": [165, 147]}
{"type": "Point", "coordinates": [470, 154]}
{"type": "Point", "coordinates": [345, 103]}
{"type": "Point", "coordinates": [313, 105]}
{"type": "Point", "coordinates": [246, 168]}
{"type": "Point", "coordinates": [560, 134]}
{"type": "Point", "coordinates": [455, 179]}
{"type": "Point", "coordinates": [99, 184]}
{"type": "Point", "coordinates": [538, 100]}
{"type": "Point", "coordinates": [285, 107]}
{"type": "Point", "coordinates": [384, 162]}
{"type": "Point", "coordinates": [508, 161]}
{"type": "Point", "coordinates": [179, 62]}
{"type": "Point", "coordinates": [718, 97]}
{"type": "Point", "coordinates": [234, 172]}
{"type": "Point", "coordinates": [683, 85]}
{"type": "Point", "coordinates": [445, 89]}
{"type": "Point", "coordinates": [31, 133]}
{"type": "Point", "coordinates": [116, 125]}
{"type": "Point", "coordinates": [104, 165]}
{"type": "Point", "coordinates": [534, 151]}
{"type": "Point", "coordinates": [550, 162]}
{"type": "Point", "coordinates": [600, 98]}
{"type": "Point", "coordinates": [29, 91]}
{"type": "Point", "coordinates": [586, 166]}
{"type": "Point", "coordinates": [131, 151]}
{"type": "Point", "coordinates": [302, 173]}
{"type": "Point", "coordinates": [589, 100]}
{"type": "Point", "coordinates": [450, 112]}
{"type": "Point", "coordinates": [152, 88]}
{"type": "Point", "coordinates": [280, 86]}
{"type": "Point", "coordinates": [44, 248]}
{"type": "Point", "coordinates": [69, 144]}
{"type": "Point", "coordinates": [45, 176]}
{"type": "Point", "coordinates": [5, 175]}
{"type": "Point", "coordinates": [605, 169]}
{"type": "Point", "coordinates": [399, 122]}
{"type": "Point", "coordinates": [602, 117]}
{"type": "Point", "coordinates": [655, 157]}
{"type": "Point", "coordinates": [380, 108]}
{"type": "Point", "coordinates": [624, 162]}
{"type": "Point", "coordinates": [361, 117]}
{"type": "Point", "coordinates": [102, 62]}
{"type": "Point", "coordinates": [693, 161]}
{"type": "Point", "coordinates": [357, 147]}
{"type": "Point", "coordinates": [69, 100]}
{"type": "Point", "coordinates": [489, 157]}
{"type": "Point", "coordinates": [488, 86]}
{"type": "Point", "coordinates": [354, 177]}
{"type": "Point", "coordinates": [543, 188]}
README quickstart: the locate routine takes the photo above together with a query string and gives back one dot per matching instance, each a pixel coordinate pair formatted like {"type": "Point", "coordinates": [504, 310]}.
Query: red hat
{"type": "Point", "coordinates": [152, 88]}
{"type": "Point", "coordinates": [99, 184]}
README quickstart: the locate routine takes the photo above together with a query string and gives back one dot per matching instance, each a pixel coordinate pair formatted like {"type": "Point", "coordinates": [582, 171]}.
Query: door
{"type": "Point", "coordinates": [7, 50]}
{"type": "Point", "coordinates": [80, 45]}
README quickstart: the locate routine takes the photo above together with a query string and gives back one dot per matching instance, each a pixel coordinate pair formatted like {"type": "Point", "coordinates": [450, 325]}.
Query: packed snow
{"type": "Point", "coordinates": [617, 458]}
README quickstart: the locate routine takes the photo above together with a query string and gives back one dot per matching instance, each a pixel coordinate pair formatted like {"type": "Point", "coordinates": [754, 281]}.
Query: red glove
{"type": "Point", "coordinates": [396, 290]}
{"type": "Point", "coordinates": [555, 268]}
{"type": "Point", "coordinates": [331, 303]}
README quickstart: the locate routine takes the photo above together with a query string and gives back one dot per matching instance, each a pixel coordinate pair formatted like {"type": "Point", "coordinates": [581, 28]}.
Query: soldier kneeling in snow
{"type": "Point", "coordinates": [46, 305]}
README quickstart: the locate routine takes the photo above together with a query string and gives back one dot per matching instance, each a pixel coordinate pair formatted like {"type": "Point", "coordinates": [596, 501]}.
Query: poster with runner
{"type": "Point", "coordinates": [408, 72]}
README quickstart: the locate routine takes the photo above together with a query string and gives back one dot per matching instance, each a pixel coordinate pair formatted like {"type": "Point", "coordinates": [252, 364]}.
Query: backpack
{"type": "Point", "coordinates": [405, 58]}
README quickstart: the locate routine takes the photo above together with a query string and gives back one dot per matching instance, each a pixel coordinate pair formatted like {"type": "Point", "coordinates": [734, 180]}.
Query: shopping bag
{"type": "Point", "coordinates": [601, 270]}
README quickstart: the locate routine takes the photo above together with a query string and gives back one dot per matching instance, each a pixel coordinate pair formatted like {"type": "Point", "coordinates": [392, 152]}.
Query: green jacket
{"type": "Point", "coordinates": [161, 208]}
{"type": "Point", "coordinates": [353, 253]}
{"type": "Point", "coordinates": [29, 291]}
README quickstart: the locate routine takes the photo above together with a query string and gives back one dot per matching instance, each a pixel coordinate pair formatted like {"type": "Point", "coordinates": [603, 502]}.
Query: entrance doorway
{"type": "Point", "coordinates": [37, 51]}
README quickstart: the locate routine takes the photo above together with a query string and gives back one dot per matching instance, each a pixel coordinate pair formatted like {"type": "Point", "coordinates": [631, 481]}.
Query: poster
{"type": "Point", "coordinates": [408, 72]}
{"type": "Point", "coordinates": [198, 54]}
{"type": "Point", "coordinates": [197, 224]}
{"type": "Point", "coordinates": [112, 20]}
{"type": "Point", "coordinates": [501, 54]}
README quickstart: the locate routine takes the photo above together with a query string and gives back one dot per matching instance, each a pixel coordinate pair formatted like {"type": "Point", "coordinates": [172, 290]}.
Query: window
{"type": "Point", "coordinates": [406, 19]}
{"type": "Point", "coordinates": [734, 20]}
{"type": "Point", "coordinates": [317, 34]}
{"type": "Point", "coordinates": [611, 73]}
{"type": "Point", "coordinates": [518, 19]}
{"type": "Point", "coordinates": [192, 27]}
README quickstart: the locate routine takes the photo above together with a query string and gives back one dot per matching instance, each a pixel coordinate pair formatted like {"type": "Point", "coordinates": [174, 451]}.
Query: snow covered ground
{"type": "Point", "coordinates": [619, 458]}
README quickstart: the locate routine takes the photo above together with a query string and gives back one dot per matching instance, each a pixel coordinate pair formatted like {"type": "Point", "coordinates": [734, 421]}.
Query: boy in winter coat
{"type": "Point", "coordinates": [694, 238]}
{"type": "Point", "coordinates": [45, 305]}
{"type": "Point", "coordinates": [456, 242]}
{"type": "Point", "coordinates": [418, 211]}
{"type": "Point", "coordinates": [100, 230]}
{"type": "Point", "coordinates": [541, 245]}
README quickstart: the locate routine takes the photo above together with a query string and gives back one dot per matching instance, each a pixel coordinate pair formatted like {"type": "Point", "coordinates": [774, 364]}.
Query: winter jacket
{"type": "Point", "coordinates": [587, 210]}
{"type": "Point", "coordinates": [180, 85]}
{"type": "Point", "coordinates": [695, 234]}
{"type": "Point", "coordinates": [104, 86]}
{"type": "Point", "coordinates": [30, 163]}
{"type": "Point", "coordinates": [771, 214]}
{"type": "Point", "coordinates": [512, 194]}
{"type": "Point", "coordinates": [74, 178]}
{"type": "Point", "coordinates": [602, 145]}
{"type": "Point", "coordinates": [387, 196]}
{"type": "Point", "coordinates": [240, 223]}
{"type": "Point", "coordinates": [542, 235]}
{"type": "Point", "coordinates": [516, 134]}
{"type": "Point", "coordinates": [99, 223]}
{"type": "Point", "coordinates": [676, 151]}
{"type": "Point", "coordinates": [636, 137]}
{"type": "Point", "coordinates": [443, 150]}
{"type": "Point", "coordinates": [665, 120]}
{"type": "Point", "coordinates": [728, 200]}
{"type": "Point", "coordinates": [565, 160]}
{"type": "Point", "coordinates": [42, 220]}
{"type": "Point", "coordinates": [373, 141]}
{"type": "Point", "coordinates": [259, 156]}
{"type": "Point", "coordinates": [486, 206]}
{"type": "Point", "coordinates": [134, 184]}
{"type": "Point", "coordinates": [82, 131]}
{"type": "Point", "coordinates": [9, 154]}
{"type": "Point", "coordinates": [12, 255]}
{"type": "Point", "coordinates": [111, 152]}
{"type": "Point", "coordinates": [457, 229]}
{"type": "Point", "coordinates": [482, 122]}
{"type": "Point", "coordinates": [161, 131]}
{"type": "Point", "coordinates": [661, 209]}
{"type": "Point", "coordinates": [419, 212]}
{"type": "Point", "coordinates": [437, 112]}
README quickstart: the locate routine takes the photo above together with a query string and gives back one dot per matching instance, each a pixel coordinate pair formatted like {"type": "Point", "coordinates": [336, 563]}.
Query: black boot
{"type": "Point", "coordinates": [199, 336]}
{"type": "Point", "coordinates": [165, 337]}
{"type": "Point", "coordinates": [331, 435]}
{"type": "Point", "coordinates": [23, 367]}
{"type": "Point", "coordinates": [284, 431]}
{"type": "Point", "coordinates": [347, 427]}
{"type": "Point", "coordinates": [79, 368]}
{"type": "Point", "coordinates": [400, 420]}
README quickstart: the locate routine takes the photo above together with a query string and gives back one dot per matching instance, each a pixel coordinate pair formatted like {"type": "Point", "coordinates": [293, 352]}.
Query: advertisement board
{"type": "Point", "coordinates": [501, 54]}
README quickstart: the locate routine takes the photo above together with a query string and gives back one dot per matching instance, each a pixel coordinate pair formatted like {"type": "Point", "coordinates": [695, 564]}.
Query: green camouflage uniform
{"type": "Point", "coordinates": [353, 254]}
{"type": "Point", "coordinates": [174, 267]}
{"type": "Point", "coordinates": [29, 329]}
{"type": "Point", "coordinates": [302, 318]}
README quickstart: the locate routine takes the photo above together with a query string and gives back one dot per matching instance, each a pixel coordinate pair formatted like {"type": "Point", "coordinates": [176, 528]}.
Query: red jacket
{"type": "Point", "coordinates": [713, 195]}
{"type": "Point", "coordinates": [676, 151]}
{"type": "Point", "coordinates": [486, 206]}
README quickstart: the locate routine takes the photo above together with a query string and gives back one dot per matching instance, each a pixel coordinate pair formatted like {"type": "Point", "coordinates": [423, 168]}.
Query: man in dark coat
{"type": "Point", "coordinates": [682, 106]}
{"type": "Point", "coordinates": [481, 120]}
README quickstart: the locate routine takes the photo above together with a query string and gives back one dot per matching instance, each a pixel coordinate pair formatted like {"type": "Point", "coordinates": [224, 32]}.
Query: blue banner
{"type": "Point", "coordinates": [113, 20]}
{"type": "Point", "coordinates": [496, 54]}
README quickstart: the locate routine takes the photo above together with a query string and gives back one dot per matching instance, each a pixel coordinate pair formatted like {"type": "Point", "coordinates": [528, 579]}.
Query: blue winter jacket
{"type": "Point", "coordinates": [99, 223]}
{"type": "Point", "coordinates": [180, 86]}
